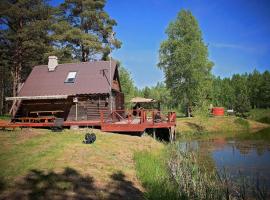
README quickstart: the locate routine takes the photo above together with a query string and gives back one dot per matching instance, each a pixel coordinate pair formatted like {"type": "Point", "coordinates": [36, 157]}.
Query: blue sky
{"type": "Point", "coordinates": [237, 33]}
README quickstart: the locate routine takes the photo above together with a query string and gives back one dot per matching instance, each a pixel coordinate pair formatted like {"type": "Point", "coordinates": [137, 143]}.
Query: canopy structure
{"type": "Point", "coordinates": [142, 100]}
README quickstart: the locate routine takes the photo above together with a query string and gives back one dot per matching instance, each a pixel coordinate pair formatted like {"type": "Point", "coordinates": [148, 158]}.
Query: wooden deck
{"type": "Point", "coordinates": [48, 124]}
{"type": "Point", "coordinates": [115, 122]}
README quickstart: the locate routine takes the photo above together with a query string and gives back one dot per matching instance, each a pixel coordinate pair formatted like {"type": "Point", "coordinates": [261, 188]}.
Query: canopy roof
{"type": "Point", "coordinates": [142, 100]}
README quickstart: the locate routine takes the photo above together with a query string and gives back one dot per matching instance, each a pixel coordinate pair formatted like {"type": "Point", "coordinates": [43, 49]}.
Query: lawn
{"type": "Point", "coordinates": [260, 115]}
{"type": "Point", "coordinates": [214, 126]}
{"type": "Point", "coordinates": [40, 163]}
{"type": "Point", "coordinates": [152, 170]}
{"type": "Point", "coordinates": [36, 162]}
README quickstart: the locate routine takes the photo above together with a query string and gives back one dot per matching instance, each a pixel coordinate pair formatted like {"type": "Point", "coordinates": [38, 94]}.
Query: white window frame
{"type": "Point", "coordinates": [71, 77]}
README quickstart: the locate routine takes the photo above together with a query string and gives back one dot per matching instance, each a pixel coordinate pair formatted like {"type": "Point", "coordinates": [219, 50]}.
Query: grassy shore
{"type": "Point", "coordinates": [212, 127]}
{"type": "Point", "coordinates": [172, 174]}
{"type": "Point", "coordinates": [152, 171]}
{"type": "Point", "coordinates": [260, 115]}
{"type": "Point", "coordinates": [37, 162]}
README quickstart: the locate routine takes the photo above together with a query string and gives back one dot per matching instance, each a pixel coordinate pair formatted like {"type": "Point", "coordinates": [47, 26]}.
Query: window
{"type": "Point", "coordinates": [71, 77]}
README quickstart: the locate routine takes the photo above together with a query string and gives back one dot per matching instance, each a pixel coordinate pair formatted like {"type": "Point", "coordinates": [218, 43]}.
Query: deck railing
{"type": "Point", "coordinates": [139, 116]}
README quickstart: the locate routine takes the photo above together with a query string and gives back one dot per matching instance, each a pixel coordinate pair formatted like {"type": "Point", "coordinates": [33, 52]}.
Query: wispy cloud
{"type": "Point", "coordinates": [259, 49]}
{"type": "Point", "coordinates": [232, 46]}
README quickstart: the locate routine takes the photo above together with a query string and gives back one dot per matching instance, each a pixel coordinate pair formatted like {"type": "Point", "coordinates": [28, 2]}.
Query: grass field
{"type": "Point", "coordinates": [260, 115]}
{"type": "Point", "coordinates": [197, 127]}
{"type": "Point", "coordinates": [37, 162]}
{"type": "Point", "coordinates": [152, 170]}
{"type": "Point", "coordinates": [40, 163]}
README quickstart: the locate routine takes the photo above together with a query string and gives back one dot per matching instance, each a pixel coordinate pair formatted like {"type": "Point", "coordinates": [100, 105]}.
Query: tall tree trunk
{"type": "Point", "coordinates": [2, 90]}
{"type": "Point", "coordinates": [14, 82]}
{"type": "Point", "coordinates": [84, 59]}
{"type": "Point", "coordinates": [16, 74]}
{"type": "Point", "coordinates": [84, 56]}
{"type": "Point", "coordinates": [189, 110]}
{"type": "Point", "coordinates": [17, 63]}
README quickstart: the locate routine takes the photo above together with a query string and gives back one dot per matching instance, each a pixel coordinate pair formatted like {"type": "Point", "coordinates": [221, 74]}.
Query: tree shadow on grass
{"type": "Point", "coordinates": [120, 188]}
{"type": "Point", "coordinates": [2, 184]}
{"type": "Point", "coordinates": [41, 185]}
{"type": "Point", "coordinates": [70, 184]}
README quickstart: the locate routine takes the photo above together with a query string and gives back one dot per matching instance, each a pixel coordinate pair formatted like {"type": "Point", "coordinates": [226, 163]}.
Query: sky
{"type": "Point", "coordinates": [237, 33]}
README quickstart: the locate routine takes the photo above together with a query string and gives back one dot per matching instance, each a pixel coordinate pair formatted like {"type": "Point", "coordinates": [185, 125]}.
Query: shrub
{"type": "Point", "coordinates": [193, 181]}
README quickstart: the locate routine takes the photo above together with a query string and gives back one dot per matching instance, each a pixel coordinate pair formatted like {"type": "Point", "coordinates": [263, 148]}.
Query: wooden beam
{"type": "Point", "coordinates": [37, 97]}
{"type": "Point", "coordinates": [154, 133]}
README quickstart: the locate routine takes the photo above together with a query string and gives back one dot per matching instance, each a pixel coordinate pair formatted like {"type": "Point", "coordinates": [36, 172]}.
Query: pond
{"type": "Point", "coordinates": [236, 157]}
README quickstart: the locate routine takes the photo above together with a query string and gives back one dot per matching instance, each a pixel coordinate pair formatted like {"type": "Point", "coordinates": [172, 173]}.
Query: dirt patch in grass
{"type": "Point", "coordinates": [59, 166]}
{"type": "Point", "coordinates": [9, 138]}
{"type": "Point", "coordinates": [27, 134]}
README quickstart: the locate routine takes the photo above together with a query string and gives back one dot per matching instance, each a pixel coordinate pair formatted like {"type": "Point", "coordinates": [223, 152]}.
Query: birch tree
{"type": "Point", "coordinates": [183, 57]}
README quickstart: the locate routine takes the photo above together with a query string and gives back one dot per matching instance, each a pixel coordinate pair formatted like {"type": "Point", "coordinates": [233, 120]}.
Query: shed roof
{"type": "Point", "coordinates": [142, 100]}
{"type": "Point", "coordinates": [91, 78]}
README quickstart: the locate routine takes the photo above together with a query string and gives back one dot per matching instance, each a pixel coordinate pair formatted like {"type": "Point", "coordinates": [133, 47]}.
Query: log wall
{"type": "Point", "coordinates": [88, 108]}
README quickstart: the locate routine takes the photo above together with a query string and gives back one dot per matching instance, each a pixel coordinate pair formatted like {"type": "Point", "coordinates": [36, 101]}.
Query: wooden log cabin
{"type": "Point", "coordinates": [55, 89]}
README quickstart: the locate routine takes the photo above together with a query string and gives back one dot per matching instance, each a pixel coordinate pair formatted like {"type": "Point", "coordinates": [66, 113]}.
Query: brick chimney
{"type": "Point", "coordinates": [52, 63]}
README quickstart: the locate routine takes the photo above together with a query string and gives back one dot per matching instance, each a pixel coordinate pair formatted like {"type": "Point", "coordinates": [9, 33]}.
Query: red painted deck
{"type": "Point", "coordinates": [48, 124]}
{"type": "Point", "coordinates": [82, 123]}
{"type": "Point", "coordinates": [115, 122]}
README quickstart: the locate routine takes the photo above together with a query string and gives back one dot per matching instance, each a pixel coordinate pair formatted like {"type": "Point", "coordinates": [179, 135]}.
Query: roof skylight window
{"type": "Point", "coordinates": [71, 77]}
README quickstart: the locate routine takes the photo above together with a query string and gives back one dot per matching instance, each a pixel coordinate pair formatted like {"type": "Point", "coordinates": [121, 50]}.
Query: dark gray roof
{"type": "Point", "coordinates": [89, 79]}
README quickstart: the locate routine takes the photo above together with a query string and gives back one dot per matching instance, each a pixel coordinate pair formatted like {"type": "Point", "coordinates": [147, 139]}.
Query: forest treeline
{"type": "Point", "coordinates": [190, 87]}
{"type": "Point", "coordinates": [241, 92]}
{"type": "Point", "coordinates": [32, 30]}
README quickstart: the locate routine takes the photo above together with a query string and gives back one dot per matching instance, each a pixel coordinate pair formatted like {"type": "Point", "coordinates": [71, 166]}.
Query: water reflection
{"type": "Point", "coordinates": [249, 158]}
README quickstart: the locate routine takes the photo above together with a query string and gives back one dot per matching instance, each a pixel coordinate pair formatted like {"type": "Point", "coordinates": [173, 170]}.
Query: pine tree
{"type": "Point", "coordinates": [264, 94]}
{"type": "Point", "coordinates": [227, 97]}
{"type": "Point", "coordinates": [254, 84]}
{"type": "Point", "coordinates": [184, 59]}
{"type": "Point", "coordinates": [85, 29]}
{"type": "Point", "coordinates": [241, 94]}
{"type": "Point", "coordinates": [5, 80]}
{"type": "Point", "coordinates": [24, 34]}
{"type": "Point", "coordinates": [127, 85]}
{"type": "Point", "coordinates": [146, 92]}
